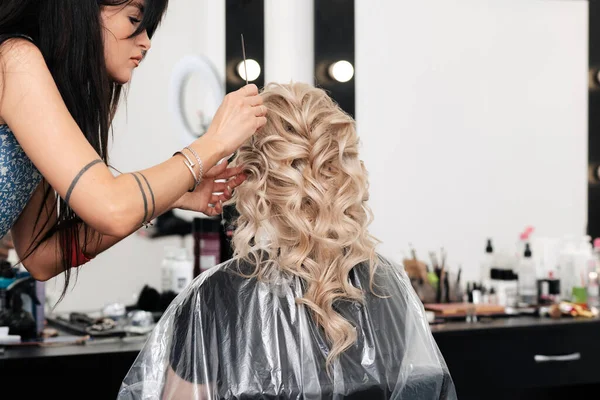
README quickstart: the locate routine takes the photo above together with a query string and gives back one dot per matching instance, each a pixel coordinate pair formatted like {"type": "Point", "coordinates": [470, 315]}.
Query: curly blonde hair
{"type": "Point", "coordinates": [307, 192]}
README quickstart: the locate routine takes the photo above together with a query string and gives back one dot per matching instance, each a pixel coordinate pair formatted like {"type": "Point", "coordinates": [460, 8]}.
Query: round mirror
{"type": "Point", "coordinates": [196, 92]}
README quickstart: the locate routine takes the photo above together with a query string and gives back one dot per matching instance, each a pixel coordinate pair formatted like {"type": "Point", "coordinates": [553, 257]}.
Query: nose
{"type": "Point", "coordinates": [144, 41]}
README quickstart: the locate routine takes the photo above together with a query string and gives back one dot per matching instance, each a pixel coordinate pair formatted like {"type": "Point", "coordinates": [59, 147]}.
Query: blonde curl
{"type": "Point", "coordinates": [307, 192]}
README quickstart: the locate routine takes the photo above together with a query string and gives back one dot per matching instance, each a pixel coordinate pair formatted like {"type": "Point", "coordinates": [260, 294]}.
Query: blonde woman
{"type": "Point", "coordinates": [306, 309]}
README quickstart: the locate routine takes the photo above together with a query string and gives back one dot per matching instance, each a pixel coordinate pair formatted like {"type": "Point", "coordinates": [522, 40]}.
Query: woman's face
{"type": "Point", "coordinates": [122, 53]}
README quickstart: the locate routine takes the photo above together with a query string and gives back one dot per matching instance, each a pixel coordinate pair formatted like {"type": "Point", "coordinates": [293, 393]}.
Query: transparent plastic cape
{"type": "Point", "coordinates": [230, 337]}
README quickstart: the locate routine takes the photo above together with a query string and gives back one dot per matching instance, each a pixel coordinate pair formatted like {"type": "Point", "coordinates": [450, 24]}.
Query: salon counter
{"type": "Point", "coordinates": [92, 370]}
{"type": "Point", "coordinates": [487, 360]}
{"type": "Point", "coordinates": [522, 358]}
{"type": "Point", "coordinates": [497, 324]}
{"type": "Point", "coordinates": [93, 347]}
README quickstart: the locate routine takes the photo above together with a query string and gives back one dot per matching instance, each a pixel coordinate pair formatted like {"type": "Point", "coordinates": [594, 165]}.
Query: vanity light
{"type": "Point", "coordinates": [341, 71]}
{"type": "Point", "coordinates": [253, 70]}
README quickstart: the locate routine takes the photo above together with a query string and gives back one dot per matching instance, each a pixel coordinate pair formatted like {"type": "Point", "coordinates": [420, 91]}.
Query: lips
{"type": "Point", "coordinates": [137, 60]}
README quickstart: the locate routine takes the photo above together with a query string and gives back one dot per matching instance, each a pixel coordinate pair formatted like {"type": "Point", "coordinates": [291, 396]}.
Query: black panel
{"type": "Point", "coordinates": [244, 17]}
{"type": "Point", "coordinates": [593, 228]}
{"type": "Point", "coordinates": [334, 41]}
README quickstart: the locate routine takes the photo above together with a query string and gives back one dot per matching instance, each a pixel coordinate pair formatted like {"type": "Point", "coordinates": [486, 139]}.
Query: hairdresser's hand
{"type": "Point", "coordinates": [240, 115]}
{"type": "Point", "coordinates": [209, 195]}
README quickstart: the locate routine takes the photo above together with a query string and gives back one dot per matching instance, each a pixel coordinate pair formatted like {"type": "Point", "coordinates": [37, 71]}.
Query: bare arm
{"type": "Point", "coordinates": [44, 263]}
{"type": "Point", "coordinates": [178, 389]}
{"type": "Point", "coordinates": [114, 206]}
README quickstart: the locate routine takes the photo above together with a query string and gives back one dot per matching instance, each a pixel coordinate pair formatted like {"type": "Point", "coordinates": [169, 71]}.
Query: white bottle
{"type": "Point", "coordinates": [166, 269]}
{"type": "Point", "coordinates": [593, 290]}
{"type": "Point", "coordinates": [182, 271]}
{"type": "Point", "coordinates": [593, 281]}
{"type": "Point", "coordinates": [584, 258]}
{"type": "Point", "coordinates": [527, 278]}
{"type": "Point", "coordinates": [566, 268]}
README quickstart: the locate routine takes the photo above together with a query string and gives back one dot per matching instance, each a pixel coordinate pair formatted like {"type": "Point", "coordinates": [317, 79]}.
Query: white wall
{"type": "Point", "coordinates": [289, 41]}
{"type": "Point", "coordinates": [473, 117]}
{"type": "Point", "coordinates": [144, 136]}
{"type": "Point", "coordinates": [472, 113]}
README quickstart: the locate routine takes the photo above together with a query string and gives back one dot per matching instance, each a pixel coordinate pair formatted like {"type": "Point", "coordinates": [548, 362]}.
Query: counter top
{"type": "Point", "coordinates": [507, 323]}
{"type": "Point", "coordinates": [131, 344]}
{"type": "Point", "coordinates": [134, 344]}
{"type": "Point", "coordinates": [501, 356]}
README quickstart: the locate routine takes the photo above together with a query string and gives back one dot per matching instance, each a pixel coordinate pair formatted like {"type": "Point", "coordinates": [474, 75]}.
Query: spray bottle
{"type": "Point", "coordinates": [527, 278]}
{"type": "Point", "coordinates": [524, 239]}
{"type": "Point", "coordinates": [487, 264]}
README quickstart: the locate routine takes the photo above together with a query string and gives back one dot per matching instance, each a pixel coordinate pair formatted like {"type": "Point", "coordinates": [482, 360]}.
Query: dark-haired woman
{"type": "Point", "coordinates": [62, 66]}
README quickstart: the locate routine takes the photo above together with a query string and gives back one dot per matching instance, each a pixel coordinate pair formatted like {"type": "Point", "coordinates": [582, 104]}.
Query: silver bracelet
{"type": "Point", "coordinates": [190, 166]}
{"type": "Point", "coordinates": [199, 163]}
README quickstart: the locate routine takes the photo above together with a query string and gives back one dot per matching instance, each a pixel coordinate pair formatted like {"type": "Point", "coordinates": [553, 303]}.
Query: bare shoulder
{"type": "Point", "coordinates": [19, 54]}
{"type": "Point", "coordinates": [19, 58]}
{"type": "Point", "coordinates": [23, 70]}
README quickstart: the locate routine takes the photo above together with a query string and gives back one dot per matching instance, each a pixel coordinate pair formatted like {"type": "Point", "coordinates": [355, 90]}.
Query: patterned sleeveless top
{"type": "Point", "coordinates": [18, 176]}
{"type": "Point", "coordinates": [18, 179]}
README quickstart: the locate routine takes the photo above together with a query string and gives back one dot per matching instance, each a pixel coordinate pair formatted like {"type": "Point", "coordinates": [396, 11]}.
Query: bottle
{"type": "Point", "coordinates": [549, 290]}
{"type": "Point", "coordinates": [487, 263]}
{"type": "Point", "coordinates": [583, 257]}
{"type": "Point", "coordinates": [485, 296]}
{"type": "Point", "coordinates": [476, 297]}
{"type": "Point", "coordinates": [593, 298]}
{"type": "Point", "coordinates": [566, 268]}
{"type": "Point", "coordinates": [496, 284]}
{"type": "Point", "coordinates": [593, 284]}
{"type": "Point", "coordinates": [493, 299]}
{"type": "Point", "coordinates": [499, 279]}
{"type": "Point", "coordinates": [524, 239]}
{"type": "Point", "coordinates": [207, 244]}
{"type": "Point", "coordinates": [511, 288]}
{"type": "Point", "coordinates": [167, 270]}
{"type": "Point", "coordinates": [182, 268]}
{"type": "Point", "coordinates": [468, 298]}
{"type": "Point", "coordinates": [527, 278]}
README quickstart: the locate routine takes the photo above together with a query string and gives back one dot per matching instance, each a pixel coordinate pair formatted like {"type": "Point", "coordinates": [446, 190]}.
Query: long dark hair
{"type": "Point", "coordinates": [69, 36]}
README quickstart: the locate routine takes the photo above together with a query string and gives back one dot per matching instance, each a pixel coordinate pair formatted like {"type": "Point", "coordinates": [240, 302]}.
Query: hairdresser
{"type": "Point", "coordinates": [60, 85]}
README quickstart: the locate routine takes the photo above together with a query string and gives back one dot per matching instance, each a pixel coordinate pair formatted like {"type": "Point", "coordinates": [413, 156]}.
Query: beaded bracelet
{"type": "Point", "coordinates": [201, 173]}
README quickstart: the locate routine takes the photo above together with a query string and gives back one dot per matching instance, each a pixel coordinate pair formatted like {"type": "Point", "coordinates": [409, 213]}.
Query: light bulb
{"type": "Point", "coordinates": [253, 70]}
{"type": "Point", "coordinates": [341, 71]}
